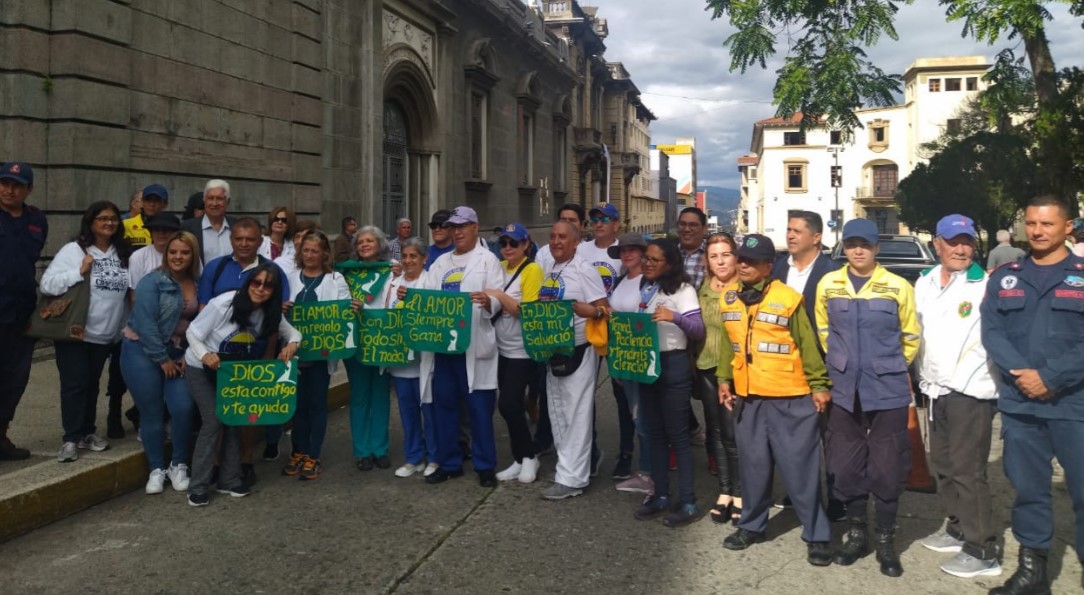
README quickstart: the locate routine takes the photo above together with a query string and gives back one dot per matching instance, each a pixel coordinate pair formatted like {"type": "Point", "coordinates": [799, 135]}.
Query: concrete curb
{"type": "Point", "coordinates": [49, 491]}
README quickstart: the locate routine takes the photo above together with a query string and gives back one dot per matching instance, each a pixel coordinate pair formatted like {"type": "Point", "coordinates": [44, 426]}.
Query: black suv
{"type": "Point", "coordinates": [907, 256]}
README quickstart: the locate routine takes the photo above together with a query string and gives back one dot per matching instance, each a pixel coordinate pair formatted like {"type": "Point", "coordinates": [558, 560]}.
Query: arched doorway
{"type": "Point", "coordinates": [394, 191]}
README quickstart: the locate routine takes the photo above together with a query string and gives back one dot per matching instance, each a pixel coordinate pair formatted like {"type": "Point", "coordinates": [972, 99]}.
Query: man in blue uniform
{"type": "Point", "coordinates": [23, 230]}
{"type": "Point", "coordinates": [1032, 322]}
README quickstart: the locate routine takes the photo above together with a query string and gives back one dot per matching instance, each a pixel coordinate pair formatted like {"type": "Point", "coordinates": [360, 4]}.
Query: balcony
{"type": "Point", "coordinates": [883, 194]}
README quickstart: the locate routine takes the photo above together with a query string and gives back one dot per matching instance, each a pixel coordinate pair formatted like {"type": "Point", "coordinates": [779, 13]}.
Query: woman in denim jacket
{"type": "Point", "coordinates": [152, 358]}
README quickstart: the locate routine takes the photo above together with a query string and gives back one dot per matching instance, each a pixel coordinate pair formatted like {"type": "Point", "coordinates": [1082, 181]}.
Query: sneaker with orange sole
{"type": "Point", "coordinates": [294, 466]}
{"type": "Point", "coordinates": [310, 469]}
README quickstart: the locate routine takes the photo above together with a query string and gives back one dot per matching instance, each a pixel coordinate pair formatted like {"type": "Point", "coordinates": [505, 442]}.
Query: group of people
{"type": "Point", "coordinates": [795, 360]}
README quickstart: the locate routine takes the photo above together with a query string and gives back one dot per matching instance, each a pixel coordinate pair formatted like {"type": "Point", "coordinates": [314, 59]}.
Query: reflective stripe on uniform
{"type": "Point", "coordinates": [765, 347]}
{"type": "Point", "coordinates": [773, 319]}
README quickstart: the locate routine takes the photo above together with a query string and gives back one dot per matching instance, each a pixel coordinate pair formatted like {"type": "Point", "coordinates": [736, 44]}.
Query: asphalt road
{"type": "Point", "coordinates": [370, 532]}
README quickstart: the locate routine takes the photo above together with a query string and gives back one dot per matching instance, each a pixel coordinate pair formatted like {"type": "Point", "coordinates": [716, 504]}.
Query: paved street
{"type": "Point", "coordinates": [370, 532]}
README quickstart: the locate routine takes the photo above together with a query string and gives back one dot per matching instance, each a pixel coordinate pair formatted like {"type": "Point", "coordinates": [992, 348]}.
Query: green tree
{"type": "Point", "coordinates": [826, 74]}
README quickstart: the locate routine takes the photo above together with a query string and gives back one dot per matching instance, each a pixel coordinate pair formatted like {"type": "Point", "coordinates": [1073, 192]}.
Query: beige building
{"type": "Point", "coordinates": [626, 124]}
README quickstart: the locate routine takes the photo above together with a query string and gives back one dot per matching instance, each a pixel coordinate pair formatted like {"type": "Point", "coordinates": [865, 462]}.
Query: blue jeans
{"type": "Point", "coordinates": [370, 407]}
{"type": "Point", "coordinates": [449, 390]}
{"type": "Point", "coordinates": [419, 432]}
{"type": "Point", "coordinates": [632, 396]}
{"type": "Point", "coordinates": [310, 418]}
{"type": "Point", "coordinates": [153, 394]}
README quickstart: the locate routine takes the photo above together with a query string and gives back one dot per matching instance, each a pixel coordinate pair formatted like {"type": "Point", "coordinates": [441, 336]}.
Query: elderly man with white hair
{"type": "Point", "coordinates": [403, 230]}
{"type": "Point", "coordinates": [213, 229]}
{"type": "Point", "coordinates": [1004, 252]}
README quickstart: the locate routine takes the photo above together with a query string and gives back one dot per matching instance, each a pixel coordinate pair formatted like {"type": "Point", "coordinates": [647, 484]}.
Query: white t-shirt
{"type": "Point", "coordinates": [544, 258]}
{"type": "Point", "coordinates": [683, 301]}
{"type": "Point", "coordinates": [509, 331]}
{"type": "Point", "coordinates": [108, 309]}
{"type": "Point", "coordinates": [608, 268]}
{"type": "Point", "coordinates": [796, 279]}
{"type": "Point", "coordinates": [626, 296]}
{"type": "Point", "coordinates": [574, 279]}
{"type": "Point", "coordinates": [141, 262]}
{"type": "Point", "coordinates": [413, 370]}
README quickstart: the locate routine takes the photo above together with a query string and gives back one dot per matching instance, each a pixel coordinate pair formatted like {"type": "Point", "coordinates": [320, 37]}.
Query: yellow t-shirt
{"type": "Point", "coordinates": [135, 233]}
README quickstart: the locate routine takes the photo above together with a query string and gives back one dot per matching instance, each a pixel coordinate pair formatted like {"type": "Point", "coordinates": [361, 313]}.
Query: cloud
{"type": "Point", "coordinates": [675, 54]}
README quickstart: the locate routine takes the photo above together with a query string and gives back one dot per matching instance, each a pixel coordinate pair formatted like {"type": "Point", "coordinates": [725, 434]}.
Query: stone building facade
{"type": "Point", "coordinates": [374, 108]}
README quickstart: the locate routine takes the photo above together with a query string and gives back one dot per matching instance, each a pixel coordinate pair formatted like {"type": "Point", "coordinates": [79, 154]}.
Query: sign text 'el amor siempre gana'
{"type": "Point", "coordinates": [437, 321]}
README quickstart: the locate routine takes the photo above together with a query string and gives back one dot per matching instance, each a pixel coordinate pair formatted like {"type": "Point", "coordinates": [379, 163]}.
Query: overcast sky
{"type": "Point", "coordinates": [675, 54]}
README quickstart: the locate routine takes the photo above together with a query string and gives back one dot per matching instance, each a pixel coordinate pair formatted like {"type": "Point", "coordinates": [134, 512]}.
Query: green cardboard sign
{"type": "Point", "coordinates": [365, 279]}
{"type": "Point", "coordinates": [329, 330]}
{"type": "Point", "coordinates": [383, 339]}
{"type": "Point", "coordinates": [547, 328]}
{"type": "Point", "coordinates": [256, 393]}
{"type": "Point", "coordinates": [633, 352]}
{"type": "Point", "coordinates": [437, 321]}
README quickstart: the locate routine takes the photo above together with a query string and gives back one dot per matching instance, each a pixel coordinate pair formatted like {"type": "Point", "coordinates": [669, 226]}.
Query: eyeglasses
{"type": "Point", "coordinates": [506, 242]}
{"type": "Point", "coordinates": [688, 224]}
{"type": "Point", "coordinates": [106, 219]}
{"type": "Point", "coordinates": [262, 284]}
{"type": "Point", "coordinates": [280, 220]}
{"type": "Point", "coordinates": [603, 219]}
{"type": "Point", "coordinates": [650, 260]}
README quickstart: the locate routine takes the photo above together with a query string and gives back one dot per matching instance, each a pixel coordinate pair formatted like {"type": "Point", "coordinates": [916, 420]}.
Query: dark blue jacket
{"type": "Point", "coordinates": [823, 264]}
{"type": "Point", "coordinates": [21, 241]}
{"type": "Point", "coordinates": [1033, 323]}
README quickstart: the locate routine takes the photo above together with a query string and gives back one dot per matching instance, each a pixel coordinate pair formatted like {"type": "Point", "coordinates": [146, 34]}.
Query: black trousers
{"type": "Point", "coordinates": [665, 406]}
{"type": "Point", "coordinates": [722, 440]}
{"type": "Point", "coordinates": [15, 358]}
{"type": "Point", "coordinates": [80, 366]}
{"type": "Point", "coordinates": [869, 453]}
{"type": "Point", "coordinates": [960, 438]}
{"type": "Point", "coordinates": [513, 377]}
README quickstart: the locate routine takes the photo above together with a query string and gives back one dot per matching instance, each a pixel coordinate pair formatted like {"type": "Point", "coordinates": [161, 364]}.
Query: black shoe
{"type": "Point", "coordinates": [133, 416]}
{"type": "Point", "coordinates": [271, 451]}
{"type": "Point", "coordinates": [465, 447]}
{"type": "Point", "coordinates": [837, 510]}
{"type": "Point", "coordinates": [885, 545]}
{"type": "Point", "coordinates": [1030, 577]}
{"type": "Point", "coordinates": [382, 462]}
{"type": "Point", "coordinates": [818, 553]}
{"type": "Point", "coordinates": [10, 452]}
{"type": "Point", "coordinates": [682, 515]}
{"type": "Point", "coordinates": [487, 479]}
{"type": "Point", "coordinates": [855, 544]}
{"type": "Point", "coordinates": [237, 492]}
{"type": "Point", "coordinates": [442, 475]}
{"type": "Point", "coordinates": [364, 464]}
{"type": "Point", "coordinates": [623, 469]}
{"type": "Point", "coordinates": [198, 499]}
{"type": "Point", "coordinates": [742, 539]}
{"type": "Point", "coordinates": [783, 504]}
{"type": "Point", "coordinates": [114, 428]}
{"type": "Point", "coordinates": [248, 474]}
{"type": "Point", "coordinates": [652, 507]}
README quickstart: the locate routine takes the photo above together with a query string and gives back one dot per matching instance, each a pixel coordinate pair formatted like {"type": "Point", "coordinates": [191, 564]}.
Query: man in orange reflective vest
{"type": "Point", "coordinates": [773, 363]}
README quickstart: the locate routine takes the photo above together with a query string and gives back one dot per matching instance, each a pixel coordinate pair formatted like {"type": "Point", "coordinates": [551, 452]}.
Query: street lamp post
{"type": "Point", "coordinates": [837, 181]}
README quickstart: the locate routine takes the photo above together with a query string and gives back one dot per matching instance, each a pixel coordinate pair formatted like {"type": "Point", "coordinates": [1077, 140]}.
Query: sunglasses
{"type": "Point", "coordinates": [439, 226]}
{"type": "Point", "coordinates": [603, 219]}
{"type": "Point", "coordinates": [508, 242]}
{"type": "Point", "coordinates": [262, 284]}
{"type": "Point", "coordinates": [280, 220]}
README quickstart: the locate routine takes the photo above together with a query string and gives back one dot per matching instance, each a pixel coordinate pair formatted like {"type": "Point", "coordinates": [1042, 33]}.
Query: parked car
{"type": "Point", "coordinates": [905, 255]}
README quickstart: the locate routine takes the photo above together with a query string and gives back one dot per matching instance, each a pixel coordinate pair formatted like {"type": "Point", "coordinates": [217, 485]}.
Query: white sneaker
{"type": "Point", "coordinates": [69, 452]}
{"type": "Point", "coordinates": [528, 470]}
{"type": "Point", "coordinates": [430, 469]}
{"type": "Point", "coordinates": [512, 472]}
{"type": "Point", "coordinates": [156, 481]}
{"type": "Point", "coordinates": [407, 470]}
{"type": "Point", "coordinates": [93, 443]}
{"type": "Point", "coordinates": [965, 566]}
{"type": "Point", "coordinates": [178, 477]}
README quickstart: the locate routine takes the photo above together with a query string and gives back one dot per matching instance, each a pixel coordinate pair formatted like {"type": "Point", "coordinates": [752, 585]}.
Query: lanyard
{"type": "Point", "coordinates": [647, 293]}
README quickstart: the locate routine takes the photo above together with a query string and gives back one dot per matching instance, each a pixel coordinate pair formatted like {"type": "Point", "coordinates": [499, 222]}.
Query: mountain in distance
{"type": "Point", "coordinates": [721, 200]}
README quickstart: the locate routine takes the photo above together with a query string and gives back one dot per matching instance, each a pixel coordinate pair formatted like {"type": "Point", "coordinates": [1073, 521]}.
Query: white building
{"type": "Point", "coordinates": [790, 170]}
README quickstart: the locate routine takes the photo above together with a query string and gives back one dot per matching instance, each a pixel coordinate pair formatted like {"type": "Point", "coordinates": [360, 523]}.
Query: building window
{"type": "Point", "coordinates": [793, 138]}
{"type": "Point", "coordinates": [560, 156]}
{"type": "Point", "coordinates": [835, 137]}
{"type": "Point", "coordinates": [526, 146]}
{"type": "Point", "coordinates": [954, 126]}
{"type": "Point", "coordinates": [752, 172]}
{"type": "Point", "coordinates": [478, 129]}
{"type": "Point", "coordinates": [935, 85]}
{"type": "Point", "coordinates": [795, 171]}
{"type": "Point", "coordinates": [972, 83]}
{"type": "Point", "coordinates": [952, 84]}
{"type": "Point", "coordinates": [878, 135]}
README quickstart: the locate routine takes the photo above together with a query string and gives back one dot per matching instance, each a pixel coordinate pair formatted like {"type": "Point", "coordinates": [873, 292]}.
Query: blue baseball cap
{"type": "Point", "coordinates": [515, 231]}
{"type": "Point", "coordinates": [861, 228]}
{"type": "Point", "coordinates": [607, 209]}
{"type": "Point", "coordinates": [156, 190]}
{"type": "Point", "coordinates": [954, 225]}
{"type": "Point", "coordinates": [20, 172]}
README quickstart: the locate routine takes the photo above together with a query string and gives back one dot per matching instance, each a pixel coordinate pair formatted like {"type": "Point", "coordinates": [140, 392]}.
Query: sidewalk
{"type": "Point", "coordinates": [39, 490]}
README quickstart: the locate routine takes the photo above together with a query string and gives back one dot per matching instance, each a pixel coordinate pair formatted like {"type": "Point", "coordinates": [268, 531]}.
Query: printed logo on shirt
{"type": "Point", "coordinates": [553, 288]}
{"type": "Point", "coordinates": [964, 310]}
{"type": "Point", "coordinates": [108, 275]}
{"type": "Point", "coordinates": [1008, 281]}
{"type": "Point", "coordinates": [608, 274]}
{"type": "Point", "coordinates": [242, 344]}
{"type": "Point", "coordinates": [1074, 281]}
{"type": "Point", "coordinates": [452, 280]}
{"type": "Point", "coordinates": [730, 297]}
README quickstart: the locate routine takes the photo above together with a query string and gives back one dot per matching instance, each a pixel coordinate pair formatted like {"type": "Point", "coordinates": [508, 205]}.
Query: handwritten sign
{"type": "Point", "coordinates": [633, 348]}
{"type": "Point", "coordinates": [328, 329]}
{"type": "Point", "coordinates": [437, 321]}
{"type": "Point", "coordinates": [547, 328]}
{"type": "Point", "coordinates": [383, 339]}
{"type": "Point", "coordinates": [365, 279]}
{"type": "Point", "coordinates": [256, 392]}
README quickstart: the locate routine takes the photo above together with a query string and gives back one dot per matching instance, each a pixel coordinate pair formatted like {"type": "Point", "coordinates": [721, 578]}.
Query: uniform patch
{"type": "Point", "coordinates": [1074, 281]}
{"type": "Point", "coordinates": [964, 310]}
{"type": "Point", "coordinates": [1011, 293]}
{"type": "Point", "coordinates": [15, 168]}
{"type": "Point", "coordinates": [1008, 281]}
{"type": "Point", "coordinates": [828, 292]}
{"type": "Point", "coordinates": [883, 289]}
{"type": "Point", "coordinates": [751, 243]}
{"type": "Point", "coordinates": [1069, 293]}
{"type": "Point", "coordinates": [730, 297]}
